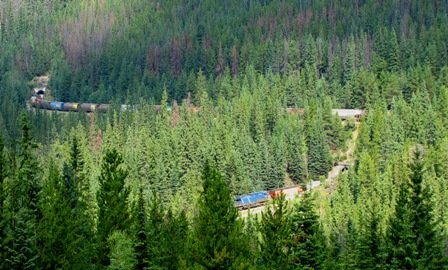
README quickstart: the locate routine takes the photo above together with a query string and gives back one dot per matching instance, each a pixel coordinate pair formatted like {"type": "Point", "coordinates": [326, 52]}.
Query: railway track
{"type": "Point", "coordinates": [291, 193]}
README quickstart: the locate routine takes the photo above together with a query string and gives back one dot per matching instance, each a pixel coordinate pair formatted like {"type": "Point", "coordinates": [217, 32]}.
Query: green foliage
{"type": "Point", "coordinates": [413, 236]}
{"type": "Point", "coordinates": [122, 255]}
{"type": "Point", "coordinates": [139, 230]}
{"type": "Point", "coordinates": [65, 229]}
{"type": "Point", "coordinates": [112, 203]}
{"type": "Point", "coordinates": [217, 239]}
{"type": "Point", "coordinates": [308, 241]}
{"type": "Point", "coordinates": [275, 229]}
{"type": "Point", "coordinates": [22, 250]}
{"type": "Point", "coordinates": [166, 234]}
{"type": "Point", "coordinates": [3, 195]}
{"type": "Point", "coordinates": [23, 213]}
{"type": "Point", "coordinates": [319, 158]}
{"type": "Point", "coordinates": [244, 62]}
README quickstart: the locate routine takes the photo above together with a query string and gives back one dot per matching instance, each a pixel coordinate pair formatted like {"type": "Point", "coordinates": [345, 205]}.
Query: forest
{"type": "Point", "coordinates": [154, 189]}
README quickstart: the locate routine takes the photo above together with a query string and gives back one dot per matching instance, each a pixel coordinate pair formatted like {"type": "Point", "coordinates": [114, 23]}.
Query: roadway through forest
{"type": "Point", "coordinates": [336, 170]}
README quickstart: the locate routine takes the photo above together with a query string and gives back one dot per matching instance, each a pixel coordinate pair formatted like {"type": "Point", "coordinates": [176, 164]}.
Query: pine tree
{"type": "Point", "coordinates": [369, 245]}
{"type": "Point", "coordinates": [275, 229]}
{"type": "Point", "coordinates": [393, 57]}
{"type": "Point", "coordinates": [3, 195]}
{"type": "Point", "coordinates": [319, 158]}
{"type": "Point", "coordinates": [217, 240]}
{"type": "Point", "coordinates": [56, 234]}
{"type": "Point", "coordinates": [176, 233]}
{"type": "Point", "coordinates": [413, 236]}
{"type": "Point", "coordinates": [296, 162]}
{"type": "Point", "coordinates": [65, 229]}
{"type": "Point", "coordinates": [112, 203]}
{"type": "Point", "coordinates": [122, 256]}
{"type": "Point", "coordinates": [308, 246]}
{"type": "Point", "coordinates": [156, 239]}
{"type": "Point", "coordinates": [27, 178]}
{"type": "Point", "coordinates": [140, 234]}
{"type": "Point", "coordinates": [77, 194]}
{"type": "Point", "coordinates": [21, 240]}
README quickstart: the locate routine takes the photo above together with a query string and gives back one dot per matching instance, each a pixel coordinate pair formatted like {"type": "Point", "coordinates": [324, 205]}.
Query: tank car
{"type": "Point", "coordinates": [103, 107]}
{"type": "Point", "coordinates": [57, 106]}
{"type": "Point", "coordinates": [88, 107]}
{"type": "Point", "coordinates": [70, 106]}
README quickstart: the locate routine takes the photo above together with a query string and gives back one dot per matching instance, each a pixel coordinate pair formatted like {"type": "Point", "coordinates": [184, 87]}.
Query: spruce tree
{"type": "Point", "coordinates": [217, 240]}
{"type": "Point", "coordinates": [21, 246]}
{"type": "Point", "coordinates": [77, 195]}
{"type": "Point", "coordinates": [112, 203]}
{"type": "Point", "coordinates": [296, 162]}
{"type": "Point", "coordinates": [122, 255]}
{"type": "Point", "coordinates": [369, 245]}
{"type": "Point", "coordinates": [275, 229]}
{"type": "Point", "coordinates": [413, 236]}
{"type": "Point", "coordinates": [65, 229]}
{"type": "Point", "coordinates": [393, 55]}
{"type": "Point", "coordinates": [58, 228]}
{"type": "Point", "coordinates": [308, 245]}
{"type": "Point", "coordinates": [319, 158]}
{"type": "Point", "coordinates": [140, 234]}
{"type": "Point", "coordinates": [3, 194]}
{"type": "Point", "coordinates": [156, 239]}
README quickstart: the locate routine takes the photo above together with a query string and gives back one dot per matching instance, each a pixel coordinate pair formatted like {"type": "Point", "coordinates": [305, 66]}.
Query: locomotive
{"type": "Point", "coordinates": [260, 198]}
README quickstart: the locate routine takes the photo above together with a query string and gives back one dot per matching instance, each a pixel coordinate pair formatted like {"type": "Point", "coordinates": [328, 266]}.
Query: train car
{"type": "Point", "coordinates": [69, 106]}
{"type": "Point", "coordinates": [57, 106]}
{"type": "Point", "coordinates": [251, 200]}
{"type": "Point", "coordinates": [88, 107]}
{"type": "Point", "coordinates": [289, 192]}
{"type": "Point", "coordinates": [103, 107]}
{"type": "Point", "coordinates": [44, 105]}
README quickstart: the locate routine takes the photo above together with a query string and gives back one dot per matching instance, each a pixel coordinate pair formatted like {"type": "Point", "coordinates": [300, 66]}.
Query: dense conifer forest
{"type": "Point", "coordinates": [154, 189]}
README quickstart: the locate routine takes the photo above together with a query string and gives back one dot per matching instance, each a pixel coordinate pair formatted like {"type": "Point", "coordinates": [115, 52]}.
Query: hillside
{"type": "Point", "coordinates": [246, 93]}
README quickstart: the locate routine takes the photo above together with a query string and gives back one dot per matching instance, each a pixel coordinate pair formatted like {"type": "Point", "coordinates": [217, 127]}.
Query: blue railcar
{"type": "Point", "coordinates": [251, 200]}
{"type": "Point", "coordinates": [57, 106]}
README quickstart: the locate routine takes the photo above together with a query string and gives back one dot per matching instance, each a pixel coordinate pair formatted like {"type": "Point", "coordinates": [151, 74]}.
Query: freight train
{"type": "Point", "coordinates": [260, 198]}
{"type": "Point", "coordinates": [69, 106]}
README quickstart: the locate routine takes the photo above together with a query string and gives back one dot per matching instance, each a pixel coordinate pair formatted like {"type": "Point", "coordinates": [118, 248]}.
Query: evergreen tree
{"type": "Point", "coordinates": [296, 162]}
{"type": "Point", "coordinates": [122, 256]}
{"type": "Point", "coordinates": [369, 246]}
{"type": "Point", "coordinates": [414, 239]}
{"type": "Point", "coordinates": [393, 57]}
{"type": "Point", "coordinates": [275, 229]}
{"type": "Point", "coordinates": [3, 195]}
{"type": "Point", "coordinates": [157, 241]}
{"type": "Point", "coordinates": [307, 237]}
{"type": "Point", "coordinates": [140, 234]}
{"type": "Point", "coordinates": [55, 232]}
{"type": "Point", "coordinates": [21, 246]}
{"type": "Point", "coordinates": [217, 239]}
{"type": "Point", "coordinates": [319, 158]}
{"type": "Point", "coordinates": [112, 203]}
{"type": "Point", "coordinates": [65, 229]}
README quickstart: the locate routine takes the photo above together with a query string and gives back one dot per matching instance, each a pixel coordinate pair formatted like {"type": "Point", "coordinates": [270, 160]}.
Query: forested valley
{"type": "Point", "coordinates": [246, 91]}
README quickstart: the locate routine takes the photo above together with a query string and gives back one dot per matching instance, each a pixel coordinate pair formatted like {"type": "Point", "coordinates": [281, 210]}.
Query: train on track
{"type": "Point", "coordinates": [38, 102]}
{"type": "Point", "coordinates": [260, 198]}
{"type": "Point", "coordinates": [70, 106]}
